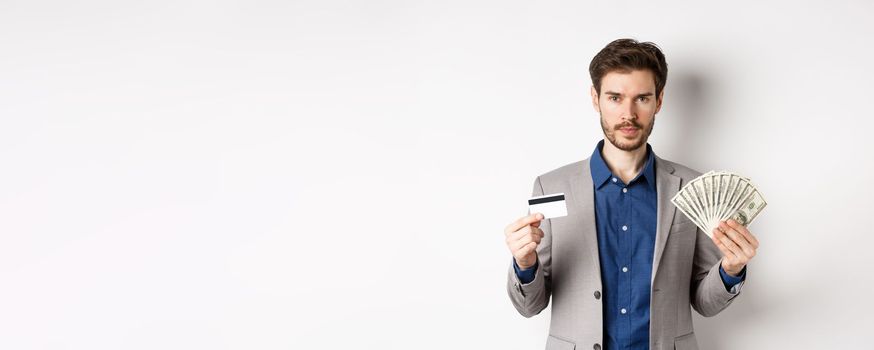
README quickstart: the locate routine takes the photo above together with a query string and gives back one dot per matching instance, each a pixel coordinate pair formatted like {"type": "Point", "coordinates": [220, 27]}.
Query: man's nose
{"type": "Point", "coordinates": [628, 111]}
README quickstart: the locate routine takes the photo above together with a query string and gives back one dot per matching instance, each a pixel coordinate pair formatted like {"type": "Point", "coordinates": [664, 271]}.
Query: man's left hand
{"type": "Point", "coordinates": [737, 244]}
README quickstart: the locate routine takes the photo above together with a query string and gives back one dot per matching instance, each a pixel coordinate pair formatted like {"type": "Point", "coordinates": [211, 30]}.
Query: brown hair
{"type": "Point", "coordinates": [625, 55]}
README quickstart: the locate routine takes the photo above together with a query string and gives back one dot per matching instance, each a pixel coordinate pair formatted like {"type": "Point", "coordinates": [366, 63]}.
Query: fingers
{"type": "Point", "coordinates": [527, 235]}
{"type": "Point", "coordinates": [528, 232]}
{"type": "Point", "coordinates": [522, 222]}
{"type": "Point", "coordinates": [720, 237]}
{"type": "Point", "coordinates": [738, 253]}
{"type": "Point", "coordinates": [739, 239]}
{"type": "Point", "coordinates": [743, 231]}
{"type": "Point", "coordinates": [725, 251]}
{"type": "Point", "coordinates": [524, 231]}
{"type": "Point", "coordinates": [526, 249]}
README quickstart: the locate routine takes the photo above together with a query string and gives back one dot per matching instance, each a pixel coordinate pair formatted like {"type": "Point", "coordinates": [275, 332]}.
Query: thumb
{"type": "Point", "coordinates": [539, 218]}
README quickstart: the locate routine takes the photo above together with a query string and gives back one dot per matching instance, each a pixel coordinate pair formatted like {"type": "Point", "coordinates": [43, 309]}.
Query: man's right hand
{"type": "Point", "coordinates": [523, 236]}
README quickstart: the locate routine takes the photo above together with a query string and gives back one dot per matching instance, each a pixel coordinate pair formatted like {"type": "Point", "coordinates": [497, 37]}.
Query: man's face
{"type": "Point", "coordinates": [627, 105]}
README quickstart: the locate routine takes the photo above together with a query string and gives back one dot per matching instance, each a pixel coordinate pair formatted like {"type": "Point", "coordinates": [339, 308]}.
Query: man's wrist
{"type": "Point", "coordinates": [733, 271]}
{"type": "Point", "coordinates": [525, 275]}
{"type": "Point", "coordinates": [523, 267]}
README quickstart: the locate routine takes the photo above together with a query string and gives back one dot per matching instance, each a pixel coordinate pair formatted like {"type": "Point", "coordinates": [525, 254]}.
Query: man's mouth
{"type": "Point", "coordinates": [628, 130]}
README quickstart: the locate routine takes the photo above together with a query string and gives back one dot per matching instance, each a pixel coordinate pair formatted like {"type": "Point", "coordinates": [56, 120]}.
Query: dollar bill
{"type": "Point", "coordinates": [718, 196]}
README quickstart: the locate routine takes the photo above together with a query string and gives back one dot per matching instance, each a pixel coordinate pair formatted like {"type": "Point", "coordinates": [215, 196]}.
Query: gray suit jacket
{"type": "Point", "coordinates": [685, 266]}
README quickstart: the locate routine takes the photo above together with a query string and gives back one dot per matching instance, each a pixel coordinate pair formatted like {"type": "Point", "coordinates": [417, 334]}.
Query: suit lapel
{"type": "Point", "coordinates": [667, 185]}
{"type": "Point", "coordinates": [584, 203]}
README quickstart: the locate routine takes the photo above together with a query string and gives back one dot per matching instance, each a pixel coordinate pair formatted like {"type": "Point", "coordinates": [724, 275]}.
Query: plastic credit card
{"type": "Point", "coordinates": [550, 205]}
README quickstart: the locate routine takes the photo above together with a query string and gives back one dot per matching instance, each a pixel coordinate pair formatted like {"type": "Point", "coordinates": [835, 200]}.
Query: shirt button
{"type": "Point", "coordinates": [624, 190]}
{"type": "Point", "coordinates": [624, 269]}
{"type": "Point", "coordinates": [623, 311]}
{"type": "Point", "coordinates": [624, 228]}
{"type": "Point", "coordinates": [597, 346]}
{"type": "Point", "coordinates": [597, 294]}
{"type": "Point", "coordinates": [614, 179]}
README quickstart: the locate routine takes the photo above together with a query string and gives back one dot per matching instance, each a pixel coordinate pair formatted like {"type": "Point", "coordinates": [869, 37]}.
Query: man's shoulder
{"type": "Point", "coordinates": [679, 170]}
{"type": "Point", "coordinates": [567, 171]}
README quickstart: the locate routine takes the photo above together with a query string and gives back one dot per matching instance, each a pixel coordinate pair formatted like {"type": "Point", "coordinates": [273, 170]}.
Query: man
{"type": "Point", "coordinates": [624, 266]}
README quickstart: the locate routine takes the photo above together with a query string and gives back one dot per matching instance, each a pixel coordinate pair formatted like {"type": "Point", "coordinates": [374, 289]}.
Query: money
{"type": "Point", "coordinates": [718, 196]}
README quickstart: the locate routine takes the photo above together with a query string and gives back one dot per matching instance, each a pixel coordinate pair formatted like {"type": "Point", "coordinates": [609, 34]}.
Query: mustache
{"type": "Point", "coordinates": [627, 125]}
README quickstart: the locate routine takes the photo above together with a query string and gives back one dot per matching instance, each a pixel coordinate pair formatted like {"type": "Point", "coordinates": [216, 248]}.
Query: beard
{"type": "Point", "coordinates": [610, 134]}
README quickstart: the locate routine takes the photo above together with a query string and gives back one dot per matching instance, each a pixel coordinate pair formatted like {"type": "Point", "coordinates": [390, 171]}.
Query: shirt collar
{"type": "Point", "coordinates": [601, 173]}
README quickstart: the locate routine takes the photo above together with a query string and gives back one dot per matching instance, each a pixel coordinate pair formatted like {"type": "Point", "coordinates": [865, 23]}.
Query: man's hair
{"type": "Point", "coordinates": [625, 55]}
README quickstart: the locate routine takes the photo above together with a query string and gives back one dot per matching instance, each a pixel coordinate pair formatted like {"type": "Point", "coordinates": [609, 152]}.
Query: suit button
{"type": "Point", "coordinates": [597, 346]}
{"type": "Point", "coordinates": [597, 296]}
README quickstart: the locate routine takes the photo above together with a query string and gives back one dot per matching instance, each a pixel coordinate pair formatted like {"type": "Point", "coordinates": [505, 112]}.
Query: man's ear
{"type": "Point", "coordinates": [595, 102]}
{"type": "Point", "coordinates": [659, 100]}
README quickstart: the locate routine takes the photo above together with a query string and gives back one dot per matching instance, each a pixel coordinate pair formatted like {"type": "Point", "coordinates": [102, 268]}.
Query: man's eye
{"type": "Point", "coordinates": [643, 98]}
{"type": "Point", "coordinates": [614, 98]}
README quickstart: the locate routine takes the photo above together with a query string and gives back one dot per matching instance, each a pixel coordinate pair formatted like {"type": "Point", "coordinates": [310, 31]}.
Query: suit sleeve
{"type": "Point", "coordinates": [532, 297]}
{"type": "Point", "coordinates": [709, 295]}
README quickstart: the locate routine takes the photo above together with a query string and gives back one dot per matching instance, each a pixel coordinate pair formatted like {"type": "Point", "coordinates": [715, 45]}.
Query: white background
{"type": "Point", "coordinates": [337, 174]}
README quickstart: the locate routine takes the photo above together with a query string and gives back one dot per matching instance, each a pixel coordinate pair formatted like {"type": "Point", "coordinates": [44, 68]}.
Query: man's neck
{"type": "Point", "coordinates": [625, 164]}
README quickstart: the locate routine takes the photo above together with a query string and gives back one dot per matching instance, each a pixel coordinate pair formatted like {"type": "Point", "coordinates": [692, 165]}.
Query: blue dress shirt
{"type": "Point", "coordinates": [625, 216]}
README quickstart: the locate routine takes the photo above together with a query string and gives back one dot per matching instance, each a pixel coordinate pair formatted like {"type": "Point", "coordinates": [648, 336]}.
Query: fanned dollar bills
{"type": "Point", "coordinates": [717, 196]}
